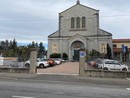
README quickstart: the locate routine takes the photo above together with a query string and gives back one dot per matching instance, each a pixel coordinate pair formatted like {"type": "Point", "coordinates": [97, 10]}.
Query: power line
{"type": "Point", "coordinates": [128, 15]}
{"type": "Point", "coordinates": [26, 19]}
{"type": "Point", "coordinates": [115, 16]}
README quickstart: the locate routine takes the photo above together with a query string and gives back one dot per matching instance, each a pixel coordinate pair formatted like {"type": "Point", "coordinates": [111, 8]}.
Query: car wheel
{"type": "Point", "coordinates": [124, 69]}
{"type": "Point", "coordinates": [105, 68]}
{"type": "Point", "coordinates": [100, 67]}
{"type": "Point", "coordinates": [41, 66]}
{"type": "Point", "coordinates": [27, 65]}
{"type": "Point", "coordinates": [51, 65]}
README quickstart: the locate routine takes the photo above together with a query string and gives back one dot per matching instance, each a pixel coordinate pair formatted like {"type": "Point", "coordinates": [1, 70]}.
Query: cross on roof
{"type": "Point", "coordinates": [78, 1]}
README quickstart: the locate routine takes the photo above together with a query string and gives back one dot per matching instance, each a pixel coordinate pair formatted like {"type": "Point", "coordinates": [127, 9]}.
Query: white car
{"type": "Point", "coordinates": [108, 64]}
{"type": "Point", "coordinates": [40, 63]}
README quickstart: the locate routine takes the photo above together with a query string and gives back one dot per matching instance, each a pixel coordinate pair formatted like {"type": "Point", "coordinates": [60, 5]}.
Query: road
{"type": "Point", "coordinates": [30, 88]}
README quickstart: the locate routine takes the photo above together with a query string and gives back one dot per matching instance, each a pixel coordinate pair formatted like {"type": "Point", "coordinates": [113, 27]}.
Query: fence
{"type": "Point", "coordinates": [92, 69]}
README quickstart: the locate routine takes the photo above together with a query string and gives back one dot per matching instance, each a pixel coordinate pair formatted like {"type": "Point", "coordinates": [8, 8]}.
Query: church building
{"type": "Point", "coordinates": [78, 29]}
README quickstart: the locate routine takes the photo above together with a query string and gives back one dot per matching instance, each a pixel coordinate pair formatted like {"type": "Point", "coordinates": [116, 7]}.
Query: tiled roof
{"type": "Point", "coordinates": [116, 50]}
{"type": "Point", "coordinates": [121, 40]}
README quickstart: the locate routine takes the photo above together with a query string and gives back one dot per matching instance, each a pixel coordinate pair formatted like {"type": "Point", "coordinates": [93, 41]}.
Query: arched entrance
{"type": "Point", "coordinates": [75, 47]}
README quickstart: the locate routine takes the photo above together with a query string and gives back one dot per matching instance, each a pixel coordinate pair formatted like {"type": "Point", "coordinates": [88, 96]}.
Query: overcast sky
{"type": "Point", "coordinates": [34, 20]}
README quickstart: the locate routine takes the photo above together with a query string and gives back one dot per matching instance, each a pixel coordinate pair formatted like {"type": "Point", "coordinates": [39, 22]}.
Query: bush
{"type": "Point", "coordinates": [64, 56]}
{"type": "Point", "coordinates": [55, 55]}
{"type": "Point", "coordinates": [94, 54]}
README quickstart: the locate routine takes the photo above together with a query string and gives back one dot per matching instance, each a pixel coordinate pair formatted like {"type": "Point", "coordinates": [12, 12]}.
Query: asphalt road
{"type": "Point", "coordinates": [36, 88]}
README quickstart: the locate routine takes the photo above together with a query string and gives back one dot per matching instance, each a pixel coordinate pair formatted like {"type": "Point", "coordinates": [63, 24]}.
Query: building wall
{"type": "Point", "coordinates": [119, 45]}
{"type": "Point", "coordinates": [58, 45]}
{"type": "Point", "coordinates": [78, 11]}
{"type": "Point", "coordinates": [105, 41]}
{"type": "Point", "coordinates": [62, 40]}
{"type": "Point", "coordinates": [118, 53]}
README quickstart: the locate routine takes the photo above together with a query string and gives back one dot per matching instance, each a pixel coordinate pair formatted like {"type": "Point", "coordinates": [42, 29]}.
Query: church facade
{"type": "Point", "coordinates": [78, 29]}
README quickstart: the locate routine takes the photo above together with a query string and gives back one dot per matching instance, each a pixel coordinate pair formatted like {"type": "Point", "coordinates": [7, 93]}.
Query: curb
{"type": "Point", "coordinates": [58, 74]}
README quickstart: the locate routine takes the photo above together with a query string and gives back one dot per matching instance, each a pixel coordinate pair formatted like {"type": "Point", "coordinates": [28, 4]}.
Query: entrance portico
{"type": "Point", "coordinates": [75, 46]}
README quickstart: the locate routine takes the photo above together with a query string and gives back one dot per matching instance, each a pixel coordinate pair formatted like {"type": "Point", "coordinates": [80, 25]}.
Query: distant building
{"type": "Point", "coordinates": [118, 49]}
{"type": "Point", "coordinates": [79, 29]}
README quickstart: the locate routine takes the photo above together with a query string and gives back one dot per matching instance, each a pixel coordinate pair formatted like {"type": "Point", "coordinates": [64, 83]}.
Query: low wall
{"type": "Point", "coordinates": [14, 70]}
{"type": "Point", "coordinates": [106, 74]}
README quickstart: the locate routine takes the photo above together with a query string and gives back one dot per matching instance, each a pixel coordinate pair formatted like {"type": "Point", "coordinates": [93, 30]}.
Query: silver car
{"type": "Point", "coordinates": [107, 64]}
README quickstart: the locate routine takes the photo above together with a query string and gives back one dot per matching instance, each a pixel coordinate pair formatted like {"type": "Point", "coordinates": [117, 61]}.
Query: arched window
{"type": "Point", "coordinates": [83, 22]}
{"type": "Point", "coordinates": [72, 22]}
{"type": "Point", "coordinates": [78, 22]}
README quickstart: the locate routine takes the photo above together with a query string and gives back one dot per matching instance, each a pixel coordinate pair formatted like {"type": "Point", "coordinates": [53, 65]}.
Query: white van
{"type": "Point", "coordinates": [107, 64]}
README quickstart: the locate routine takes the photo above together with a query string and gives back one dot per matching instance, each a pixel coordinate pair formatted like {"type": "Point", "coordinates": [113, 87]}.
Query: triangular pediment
{"type": "Point", "coordinates": [79, 6]}
{"type": "Point", "coordinates": [55, 34]}
{"type": "Point", "coordinates": [104, 33]}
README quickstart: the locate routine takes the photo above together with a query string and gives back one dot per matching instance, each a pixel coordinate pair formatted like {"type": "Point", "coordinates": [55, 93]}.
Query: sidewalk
{"type": "Point", "coordinates": [65, 79]}
{"type": "Point", "coordinates": [17, 75]}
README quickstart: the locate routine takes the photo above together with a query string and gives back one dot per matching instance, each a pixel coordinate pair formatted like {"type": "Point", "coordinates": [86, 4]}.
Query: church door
{"type": "Point", "coordinates": [76, 55]}
{"type": "Point", "coordinates": [75, 47]}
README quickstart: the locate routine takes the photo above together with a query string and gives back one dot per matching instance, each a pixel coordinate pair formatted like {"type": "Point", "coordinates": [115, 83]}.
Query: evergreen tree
{"type": "Point", "coordinates": [1, 50]}
{"type": "Point", "coordinates": [41, 50]}
{"type": "Point", "coordinates": [33, 44]}
{"type": "Point", "coordinates": [36, 45]}
{"type": "Point", "coordinates": [7, 44]}
{"type": "Point", "coordinates": [109, 52]}
{"type": "Point", "coordinates": [14, 45]}
{"type": "Point", "coordinates": [3, 44]}
{"type": "Point", "coordinates": [10, 44]}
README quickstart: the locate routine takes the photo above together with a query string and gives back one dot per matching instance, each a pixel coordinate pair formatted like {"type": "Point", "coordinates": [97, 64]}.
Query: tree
{"type": "Point", "coordinates": [36, 45]}
{"type": "Point", "coordinates": [3, 44]}
{"type": "Point", "coordinates": [14, 45]}
{"type": "Point", "coordinates": [55, 55]}
{"type": "Point", "coordinates": [6, 45]}
{"type": "Point", "coordinates": [41, 50]}
{"type": "Point", "coordinates": [10, 44]}
{"type": "Point", "coordinates": [33, 44]}
{"type": "Point", "coordinates": [109, 52]}
{"type": "Point", "coordinates": [65, 56]}
{"type": "Point", "coordinates": [1, 50]}
{"type": "Point", "coordinates": [94, 53]}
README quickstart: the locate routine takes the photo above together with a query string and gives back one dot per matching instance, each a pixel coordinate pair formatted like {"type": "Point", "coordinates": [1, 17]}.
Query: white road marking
{"type": "Point", "coordinates": [21, 97]}
{"type": "Point", "coordinates": [58, 74]}
{"type": "Point", "coordinates": [128, 89]}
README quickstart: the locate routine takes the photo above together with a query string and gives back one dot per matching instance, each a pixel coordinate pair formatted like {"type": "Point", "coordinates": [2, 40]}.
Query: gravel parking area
{"type": "Point", "coordinates": [67, 68]}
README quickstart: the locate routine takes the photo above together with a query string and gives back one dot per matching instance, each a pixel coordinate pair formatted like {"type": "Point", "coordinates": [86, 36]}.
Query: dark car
{"type": "Point", "coordinates": [94, 62]}
{"type": "Point", "coordinates": [51, 62]}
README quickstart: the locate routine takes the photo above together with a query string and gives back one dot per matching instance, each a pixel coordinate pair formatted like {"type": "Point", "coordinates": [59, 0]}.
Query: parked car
{"type": "Point", "coordinates": [50, 61]}
{"type": "Point", "coordinates": [62, 60]}
{"type": "Point", "coordinates": [94, 62]}
{"type": "Point", "coordinates": [107, 64]}
{"type": "Point", "coordinates": [40, 63]}
{"type": "Point", "coordinates": [57, 61]}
